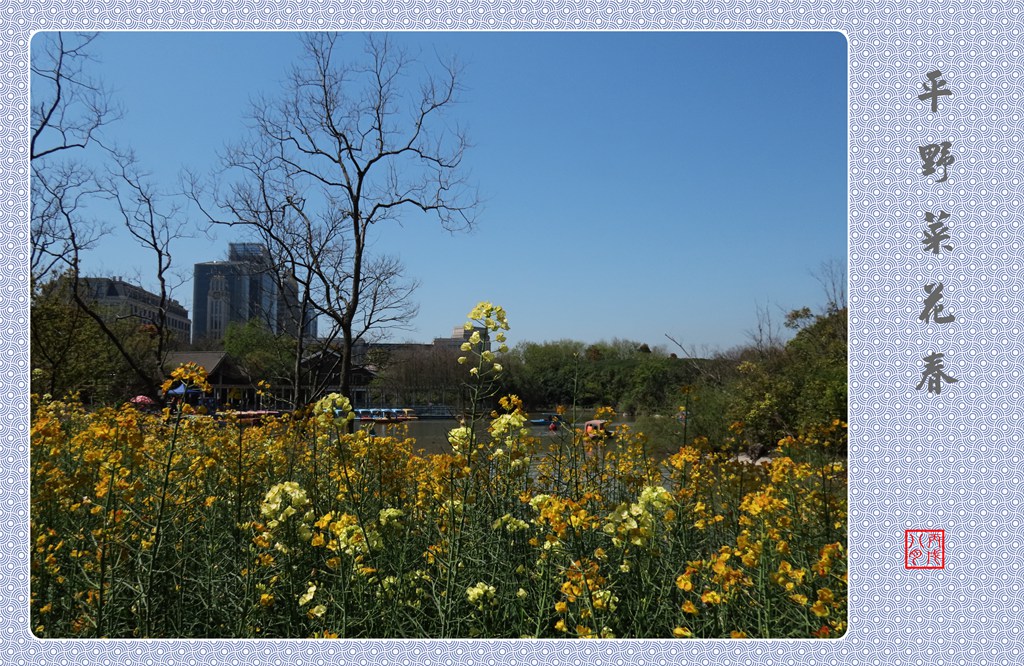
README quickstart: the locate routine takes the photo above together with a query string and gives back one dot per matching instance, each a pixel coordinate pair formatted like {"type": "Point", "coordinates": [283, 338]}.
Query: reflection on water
{"type": "Point", "coordinates": [431, 435]}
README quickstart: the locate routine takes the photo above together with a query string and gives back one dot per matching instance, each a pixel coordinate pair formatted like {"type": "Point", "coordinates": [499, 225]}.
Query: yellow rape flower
{"type": "Point", "coordinates": [480, 593]}
{"type": "Point", "coordinates": [307, 596]}
{"type": "Point", "coordinates": [334, 408]}
{"type": "Point", "coordinates": [190, 374]}
{"type": "Point", "coordinates": [819, 608]}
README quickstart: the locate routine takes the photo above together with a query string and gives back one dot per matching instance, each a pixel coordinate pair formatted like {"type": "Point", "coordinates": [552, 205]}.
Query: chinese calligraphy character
{"type": "Point", "coordinates": [935, 90]}
{"type": "Point", "coordinates": [937, 232]}
{"type": "Point", "coordinates": [928, 155]}
{"type": "Point", "coordinates": [932, 306]}
{"type": "Point", "coordinates": [934, 375]}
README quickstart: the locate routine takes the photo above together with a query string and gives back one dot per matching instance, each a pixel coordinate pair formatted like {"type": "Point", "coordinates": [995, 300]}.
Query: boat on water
{"type": "Point", "coordinates": [385, 415]}
{"type": "Point", "coordinates": [364, 416]}
{"type": "Point", "coordinates": [548, 420]}
{"type": "Point", "coordinates": [596, 428]}
{"type": "Point", "coordinates": [247, 417]}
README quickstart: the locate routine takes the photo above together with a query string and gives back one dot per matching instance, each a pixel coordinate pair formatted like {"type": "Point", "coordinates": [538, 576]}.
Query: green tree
{"type": "Point", "coordinates": [818, 369]}
{"type": "Point", "coordinates": [627, 375]}
{"type": "Point", "coordinates": [259, 353]}
{"type": "Point", "coordinates": [546, 374]}
{"type": "Point", "coordinates": [71, 353]}
{"type": "Point", "coordinates": [781, 391]}
{"type": "Point", "coordinates": [654, 384]}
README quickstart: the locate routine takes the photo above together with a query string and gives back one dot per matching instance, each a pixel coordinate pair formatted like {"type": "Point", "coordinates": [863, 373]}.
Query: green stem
{"type": "Point", "coordinates": [158, 527]}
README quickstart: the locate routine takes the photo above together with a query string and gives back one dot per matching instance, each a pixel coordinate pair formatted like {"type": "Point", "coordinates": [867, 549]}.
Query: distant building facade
{"type": "Point", "coordinates": [462, 334]}
{"type": "Point", "coordinates": [363, 351]}
{"type": "Point", "coordinates": [123, 300]}
{"type": "Point", "coordinates": [242, 289]}
{"type": "Point", "coordinates": [422, 375]}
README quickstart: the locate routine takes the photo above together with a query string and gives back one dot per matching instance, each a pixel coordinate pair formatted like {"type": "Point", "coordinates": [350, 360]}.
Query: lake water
{"type": "Point", "coordinates": [431, 435]}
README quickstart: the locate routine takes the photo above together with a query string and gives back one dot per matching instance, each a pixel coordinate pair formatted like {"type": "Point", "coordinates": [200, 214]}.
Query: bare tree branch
{"type": "Point", "coordinates": [60, 197]}
{"type": "Point", "coordinates": [70, 107]}
{"type": "Point", "coordinates": [831, 275]}
{"type": "Point", "coordinates": [156, 229]}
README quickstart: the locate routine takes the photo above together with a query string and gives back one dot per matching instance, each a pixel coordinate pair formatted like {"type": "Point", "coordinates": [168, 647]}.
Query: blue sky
{"type": "Point", "coordinates": [636, 184]}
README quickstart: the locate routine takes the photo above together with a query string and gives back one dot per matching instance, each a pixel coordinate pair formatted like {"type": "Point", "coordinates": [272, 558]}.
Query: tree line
{"type": "Point", "coordinates": [767, 389]}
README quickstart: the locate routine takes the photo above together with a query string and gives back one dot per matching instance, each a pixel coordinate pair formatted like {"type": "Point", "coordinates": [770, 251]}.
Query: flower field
{"type": "Point", "coordinates": [176, 525]}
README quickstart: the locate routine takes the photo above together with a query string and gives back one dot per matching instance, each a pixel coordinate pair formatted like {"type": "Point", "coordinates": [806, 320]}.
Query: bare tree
{"type": "Point", "coordinates": [156, 226]}
{"type": "Point", "coordinates": [831, 275]}
{"type": "Point", "coordinates": [766, 336]}
{"type": "Point", "coordinates": [348, 145]}
{"type": "Point", "coordinates": [310, 255]}
{"type": "Point", "coordinates": [69, 110]}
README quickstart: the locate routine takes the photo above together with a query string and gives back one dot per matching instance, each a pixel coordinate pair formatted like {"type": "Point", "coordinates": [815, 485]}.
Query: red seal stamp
{"type": "Point", "coordinates": [924, 549]}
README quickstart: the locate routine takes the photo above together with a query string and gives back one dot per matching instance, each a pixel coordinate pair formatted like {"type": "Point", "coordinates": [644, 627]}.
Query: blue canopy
{"type": "Point", "coordinates": [181, 390]}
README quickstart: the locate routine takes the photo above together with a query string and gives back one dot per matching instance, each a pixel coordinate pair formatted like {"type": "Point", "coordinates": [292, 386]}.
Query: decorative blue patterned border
{"type": "Point", "coordinates": [917, 460]}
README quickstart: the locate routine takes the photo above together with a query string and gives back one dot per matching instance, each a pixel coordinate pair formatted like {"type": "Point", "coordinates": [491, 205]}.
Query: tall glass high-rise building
{"type": "Point", "coordinates": [241, 289]}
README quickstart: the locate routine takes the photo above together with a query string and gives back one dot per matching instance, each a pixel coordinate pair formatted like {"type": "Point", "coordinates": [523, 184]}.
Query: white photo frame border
{"type": "Point", "coordinates": [918, 460]}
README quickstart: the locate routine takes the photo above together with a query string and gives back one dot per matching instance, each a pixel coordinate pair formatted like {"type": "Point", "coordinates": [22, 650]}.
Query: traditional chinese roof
{"type": "Point", "coordinates": [210, 360]}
